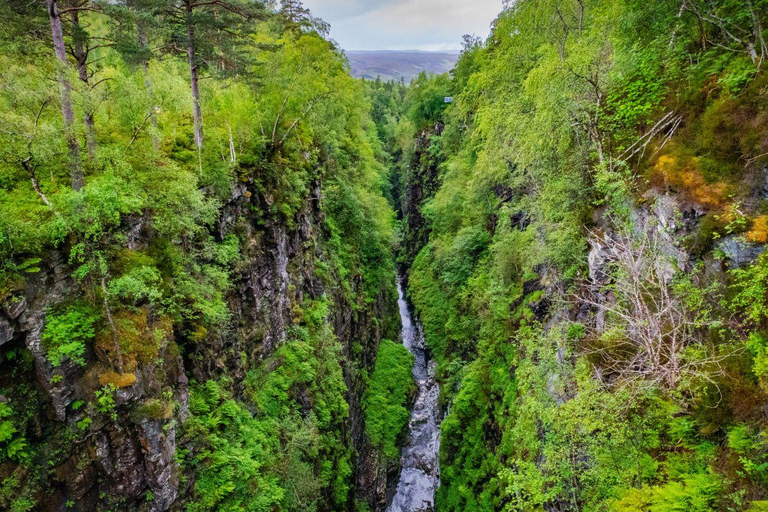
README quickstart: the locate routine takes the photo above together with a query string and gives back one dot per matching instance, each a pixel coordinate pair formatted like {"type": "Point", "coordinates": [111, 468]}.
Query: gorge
{"type": "Point", "coordinates": [420, 468]}
{"type": "Point", "coordinates": [235, 278]}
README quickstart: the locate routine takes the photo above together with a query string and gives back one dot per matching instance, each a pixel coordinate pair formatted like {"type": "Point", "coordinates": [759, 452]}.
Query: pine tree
{"type": "Point", "coordinates": [299, 19]}
{"type": "Point", "coordinates": [211, 31]}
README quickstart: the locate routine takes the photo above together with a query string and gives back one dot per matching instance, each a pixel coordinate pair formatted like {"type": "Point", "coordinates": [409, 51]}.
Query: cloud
{"type": "Point", "coordinates": [405, 24]}
{"type": "Point", "coordinates": [343, 9]}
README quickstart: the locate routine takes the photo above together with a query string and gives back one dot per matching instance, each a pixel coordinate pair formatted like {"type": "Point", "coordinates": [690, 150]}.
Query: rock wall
{"type": "Point", "coordinates": [126, 460]}
{"type": "Point", "coordinates": [420, 184]}
{"type": "Point", "coordinates": [117, 462]}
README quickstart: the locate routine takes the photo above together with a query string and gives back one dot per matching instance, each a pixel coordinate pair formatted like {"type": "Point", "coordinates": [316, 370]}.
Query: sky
{"type": "Point", "coordinates": [429, 25]}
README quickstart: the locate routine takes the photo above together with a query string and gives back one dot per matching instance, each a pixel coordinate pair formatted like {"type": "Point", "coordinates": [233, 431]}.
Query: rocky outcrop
{"type": "Point", "coordinates": [98, 460]}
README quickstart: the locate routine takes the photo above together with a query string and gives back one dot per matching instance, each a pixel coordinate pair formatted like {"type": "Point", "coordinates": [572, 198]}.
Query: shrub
{"type": "Point", "coordinates": [12, 444]}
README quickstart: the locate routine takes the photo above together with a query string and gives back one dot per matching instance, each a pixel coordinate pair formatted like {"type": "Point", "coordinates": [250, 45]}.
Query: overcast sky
{"type": "Point", "coordinates": [405, 24]}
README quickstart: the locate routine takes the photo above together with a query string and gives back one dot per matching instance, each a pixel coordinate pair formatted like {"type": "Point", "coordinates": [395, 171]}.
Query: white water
{"type": "Point", "coordinates": [420, 473]}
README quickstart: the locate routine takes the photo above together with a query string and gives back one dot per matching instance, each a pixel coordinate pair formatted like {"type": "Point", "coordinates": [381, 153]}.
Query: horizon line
{"type": "Point", "coordinates": [413, 50]}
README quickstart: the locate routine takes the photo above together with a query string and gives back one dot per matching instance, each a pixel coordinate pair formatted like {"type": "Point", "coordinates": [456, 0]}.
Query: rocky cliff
{"type": "Point", "coordinates": [122, 451]}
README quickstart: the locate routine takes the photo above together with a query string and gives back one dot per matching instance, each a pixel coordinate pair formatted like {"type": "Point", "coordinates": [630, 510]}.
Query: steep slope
{"type": "Point", "coordinates": [194, 328]}
{"type": "Point", "coordinates": [587, 262]}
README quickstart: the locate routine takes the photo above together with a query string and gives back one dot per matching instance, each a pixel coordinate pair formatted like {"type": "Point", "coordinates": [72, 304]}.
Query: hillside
{"type": "Point", "coordinates": [584, 232]}
{"type": "Point", "coordinates": [394, 65]}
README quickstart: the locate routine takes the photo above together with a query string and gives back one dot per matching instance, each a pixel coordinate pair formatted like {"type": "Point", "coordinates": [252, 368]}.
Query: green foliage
{"type": "Point", "coordinates": [698, 492]}
{"type": "Point", "coordinates": [752, 296]}
{"type": "Point", "coordinates": [162, 232]}
{"type": "Point", "coordinates": [537, 147]}
{"type": "Point", "coordinates": [137, 284]}
{"type": "Point", "coordinates": [302, 401]}
{"type": "Point", "coordinates": [752, 449]}
{"type": "Point", "coordinates": [105, 401]}
{"type": "Point", "coordinates": [292, 452]}
{"type": "Point", "coordinates": [67, 333]}
{"type": "Point", "coordinates": [751, 300]}
{"type": "Point", "coordinates": [425, 99]}
{"type": "Point", "coordinates": [232, 450]}
{"type": "Point", "coordinates": [538, 154]}
{"type": "Point", "coordinates": [386, 400]}
{"type": "Point", "coordinates": [13, 444]}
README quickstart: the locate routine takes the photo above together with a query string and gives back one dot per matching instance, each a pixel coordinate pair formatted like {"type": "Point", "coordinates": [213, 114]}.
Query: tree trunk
{"type": "Point", "coordinates": [193, 76]}
{"type": "Point", "coordinates": [81, 57]}
{"type": "Point", "coordinates": [65, 90]}
{"type": "Point", "coordinates": [757, 30]}
{"type": "Point", "coordinates": [144, 42]}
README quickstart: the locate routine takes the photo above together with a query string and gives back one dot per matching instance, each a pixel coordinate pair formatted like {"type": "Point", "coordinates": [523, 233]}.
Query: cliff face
{"type": "Point", "coordinates": [122, 452]}
{"type": "Point", "coordinates": [420, 183]}
{"type": "Point", "coordinates": [118, 459]}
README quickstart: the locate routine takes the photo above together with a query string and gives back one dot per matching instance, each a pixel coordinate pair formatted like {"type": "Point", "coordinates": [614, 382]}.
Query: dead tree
{"type": "Point", "coordinates": [650, 335]}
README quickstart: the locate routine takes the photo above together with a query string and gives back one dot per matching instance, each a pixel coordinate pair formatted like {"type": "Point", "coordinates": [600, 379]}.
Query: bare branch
{"type": "Point", "coordinates": [652, 335]}
{"type": "Point", "coordinates": [277, 119]}
{"type": "Point", "coordinates": [139, 128]}
{"type": "Point", "coordinates": [302, 116]}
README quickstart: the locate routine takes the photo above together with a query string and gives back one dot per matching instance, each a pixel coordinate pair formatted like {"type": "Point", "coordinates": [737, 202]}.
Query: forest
{"type": "Point", "coordinates": [204, 217]}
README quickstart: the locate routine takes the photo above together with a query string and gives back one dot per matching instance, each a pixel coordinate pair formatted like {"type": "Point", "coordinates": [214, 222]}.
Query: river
{"type": "Point", "coordinates": [420, 474]}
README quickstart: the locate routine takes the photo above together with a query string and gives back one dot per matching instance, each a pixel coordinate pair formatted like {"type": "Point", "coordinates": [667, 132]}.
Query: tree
{"type": "Point", "coordinates": [212, 33]}
{"type": "Point", "coordinates": [653, 336]}
{"type": "Point", "coordinates": [299, 19]}
{"type": "Point", "coordinates": [80, 49]}
{"type": "Point", "coordinates": [65, 92]}
{"type": "Point", "coordinates": [736, 23]}
{"type": "Point", "coordinates": [138, 24]}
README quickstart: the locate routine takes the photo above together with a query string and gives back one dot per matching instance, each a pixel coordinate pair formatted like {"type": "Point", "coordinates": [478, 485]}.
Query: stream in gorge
{"type": "Point", "coordinates": [420, 472]}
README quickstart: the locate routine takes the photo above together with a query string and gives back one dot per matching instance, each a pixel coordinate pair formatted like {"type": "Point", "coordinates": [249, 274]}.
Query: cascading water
{"type": "Point", "coordinates": [420, 472]}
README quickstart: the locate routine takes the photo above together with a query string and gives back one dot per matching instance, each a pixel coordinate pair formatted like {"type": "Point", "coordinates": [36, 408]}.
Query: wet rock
{"type": "Point", "coordinates": [125, 459]}
{"type": "Point", "coordinates": [738, 251]}
{"type": "Point", "coordinates": [15, 307]}
{"type": "Point", "coordinates": [120, 462]}
{"type": "Point", "coordinates": [78, 473]}
{"type": "Point", "coordinates": [600, 254]}
{"type": "Point", "coordinates": [540, 308]}
{"type": "Point", "coordinates": [763, 191]}
{"type": "Point", "coordinates": [134, 229]}
{"type": "Point", "coordinates": [6, 331]}
{"type": "Point", "coordinates": [158, 445]}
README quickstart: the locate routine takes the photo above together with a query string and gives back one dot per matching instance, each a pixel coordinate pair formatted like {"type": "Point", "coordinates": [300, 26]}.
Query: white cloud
{"type": "Point", "coordinates": [405, 24]}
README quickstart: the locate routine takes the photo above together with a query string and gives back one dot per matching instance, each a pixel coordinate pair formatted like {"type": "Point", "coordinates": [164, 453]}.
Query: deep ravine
{"type": "Point", "coordinates": [420, 472]}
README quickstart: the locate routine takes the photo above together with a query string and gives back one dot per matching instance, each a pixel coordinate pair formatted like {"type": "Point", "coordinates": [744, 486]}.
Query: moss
{"type": "Point", "coordinates": [119, 380]}
{"type": "Point", "coordinates": [172, 351]}
{"type": "Point", "coordinates": [386, 399]}
{"type": "Point", "coordinates": [681, 173]}
{"type": "Point", "coordinates": [199, 334]}
{"type": "Point", "coordinates": [758, 231]}
{"type": "Point", "coordinates": [156, 409]}
{"type": "Point", "coordinates": [126, 259]}
{"type": "Point", "coordinates": [702, 240]}
{"type": "Point", "coordinates": [136, 335]}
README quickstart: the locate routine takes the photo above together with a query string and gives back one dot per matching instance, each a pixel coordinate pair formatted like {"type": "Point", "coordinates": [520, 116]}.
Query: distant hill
{"type": "Point", "coordinates": [393, 65]}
